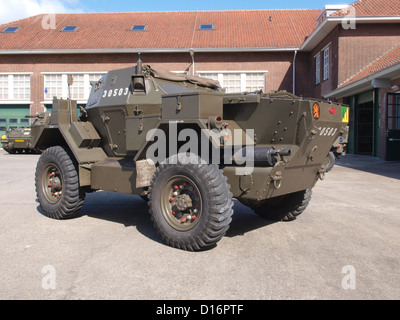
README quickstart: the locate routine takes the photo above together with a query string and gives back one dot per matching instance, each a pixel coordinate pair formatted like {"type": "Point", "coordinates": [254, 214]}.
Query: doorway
{"type": "Point", "coordinates": [393, 127]}
{"type": "Point", "coordinates": [365, 128]}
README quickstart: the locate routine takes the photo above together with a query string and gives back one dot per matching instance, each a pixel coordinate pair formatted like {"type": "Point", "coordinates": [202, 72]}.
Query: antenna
{"type": "Point", "coordinates": [70, 81]}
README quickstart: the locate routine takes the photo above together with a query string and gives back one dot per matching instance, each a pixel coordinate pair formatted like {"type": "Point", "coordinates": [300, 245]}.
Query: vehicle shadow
{"type": "Point", "coordinates": [132, 211]}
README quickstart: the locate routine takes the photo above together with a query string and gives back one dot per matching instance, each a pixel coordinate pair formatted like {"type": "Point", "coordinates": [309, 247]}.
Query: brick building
{"type": "Point", "coordinates": [324, 53]}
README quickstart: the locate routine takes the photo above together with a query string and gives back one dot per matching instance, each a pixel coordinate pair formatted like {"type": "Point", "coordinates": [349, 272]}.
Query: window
{"type": "Point", "coordinates": [4, 87]}
{"type": "Point", "coordinates": [326, 63]}
{"type": "Point", "coordinates": [206, 27]}
{"type": "Point", "coordinates": [139, 27]}
{"type": "Point", "coordinates": [255, 81]}
{"type": "Point", "coordinates": [69, 28]}
{"type": "Point", "coordinates": [234, 82]}
{"type": "Point", "coordinates": [15, 87]}
{"type": "Point", "coordinates": [22, 87]}
{"type": "Point", "coordinates": [53, 86]}
{"type": "Point", "coordinates": [318, 69]}
{"type": "Point", "coordinates": [56, 85]}
{"type": "Point", "coordinates": [10, 30]}
{"type": "Point", "coordinates": [393, 111]}
{"type": "Point", "coordinates": [78, 87]}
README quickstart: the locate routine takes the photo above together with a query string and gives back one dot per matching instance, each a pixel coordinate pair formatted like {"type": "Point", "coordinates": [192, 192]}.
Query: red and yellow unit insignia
{"type": "Point", "coordinates": [316, 111]}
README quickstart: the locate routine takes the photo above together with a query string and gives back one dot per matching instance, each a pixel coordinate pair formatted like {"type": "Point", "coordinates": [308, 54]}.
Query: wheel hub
{"type": "Point", "coordinates": [182, 203]}
{"type": "Point", "coordinates": [52, 183]}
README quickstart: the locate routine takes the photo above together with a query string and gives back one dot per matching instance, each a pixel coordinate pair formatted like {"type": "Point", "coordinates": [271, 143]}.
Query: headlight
{"type": "Point", "coordinates": [4, 136]}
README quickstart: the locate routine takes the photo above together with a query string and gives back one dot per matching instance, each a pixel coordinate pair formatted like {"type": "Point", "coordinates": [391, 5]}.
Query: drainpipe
{"type": "Point", "coordinates": [294, 72]}
{"type": "Point", "coordinates": [192, 55]}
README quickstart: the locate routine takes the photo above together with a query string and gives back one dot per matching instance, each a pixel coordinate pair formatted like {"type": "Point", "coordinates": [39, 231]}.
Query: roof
{"type": "Point", "coordinates": [388, 60]}
{"type": "Point", "coordinates": [372, 8]}
{"type": "Point", "coordinates": [164, 30]}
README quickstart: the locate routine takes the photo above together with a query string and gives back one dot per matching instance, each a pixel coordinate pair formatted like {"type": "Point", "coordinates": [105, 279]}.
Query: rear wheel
{"type": "Point", "coordinates": [190, 205]}
{"type": "Point", "coordinates": [57, 184]}
{"type": "Point", "coordinates": [286, 208]}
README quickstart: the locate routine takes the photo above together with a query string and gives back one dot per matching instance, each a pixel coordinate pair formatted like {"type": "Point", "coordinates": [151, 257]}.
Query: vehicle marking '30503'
{"type": "Point", "coordinates": [116, 92]}
{"type": "Point", "coordinates": [327, 131]}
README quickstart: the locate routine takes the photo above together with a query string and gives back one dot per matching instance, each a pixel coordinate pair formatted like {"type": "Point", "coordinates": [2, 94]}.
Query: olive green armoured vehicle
{"type": "Point", "coordinates": [187, 148]}
{"type": "Point", "coordinates": [18, 140]}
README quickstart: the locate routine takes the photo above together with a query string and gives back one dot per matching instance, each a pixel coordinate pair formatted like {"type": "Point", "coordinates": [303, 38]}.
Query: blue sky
{"type": "Point", "coordinates": [11, 10]}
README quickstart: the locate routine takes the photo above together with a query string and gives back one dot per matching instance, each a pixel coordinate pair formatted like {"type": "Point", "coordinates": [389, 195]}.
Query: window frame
{"type": "Point", "coordinates": [317, 68]}
{"type": "Point", "coordinates": [84, 86]}
{"type": "Point", "coordinates": [326, 61]}
{"type": "Point", "coordinates": [222, 76]}
{"type": "Point", "coordinates": [10, 89]}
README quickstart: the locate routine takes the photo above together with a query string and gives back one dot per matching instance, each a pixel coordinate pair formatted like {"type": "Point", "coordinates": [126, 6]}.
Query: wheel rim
{"type": "Point", "coordinates": [181, 203]}
{"type": "Point", "coordinates": [52, 183]}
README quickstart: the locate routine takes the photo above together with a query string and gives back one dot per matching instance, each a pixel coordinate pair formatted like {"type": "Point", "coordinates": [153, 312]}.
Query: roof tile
{"type": "Point", "coordinates": [164, 30]}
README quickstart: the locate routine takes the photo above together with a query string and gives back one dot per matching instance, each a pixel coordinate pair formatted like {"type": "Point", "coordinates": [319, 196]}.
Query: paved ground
{"type": "Point", "coordinates": [348, 238]}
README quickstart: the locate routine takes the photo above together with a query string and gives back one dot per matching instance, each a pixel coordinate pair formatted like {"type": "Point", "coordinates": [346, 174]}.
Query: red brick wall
{"type": "Point", "coordinates": [278, 65]}
{"type": "Point", "coordinates": [325, 86]}
{"type": "Point", "coordinates": [359, 47]}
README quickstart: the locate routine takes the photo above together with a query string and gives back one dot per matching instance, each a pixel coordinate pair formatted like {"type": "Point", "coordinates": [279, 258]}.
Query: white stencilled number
{"type": "Point", "coordinates": [116, 92]}
{"type": "Point", "coordinates": [327, 131]}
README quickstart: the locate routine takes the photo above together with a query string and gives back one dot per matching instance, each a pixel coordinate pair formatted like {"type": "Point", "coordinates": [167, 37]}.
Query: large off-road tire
{"type": "Point", "coordinates": [284, 208]}
{"type": "Point", "coordinates": [190, 205]}
{"type": "Point", "coordinates": [57, 184]}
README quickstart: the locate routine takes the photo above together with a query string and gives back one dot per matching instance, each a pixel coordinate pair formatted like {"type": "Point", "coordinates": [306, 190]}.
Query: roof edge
{"type": "Point", "coordinates": [145, 50]}
{"type": "Point", "coordinates": [362, 84]}
{"type": "Point", "coordinates": [331, 22]}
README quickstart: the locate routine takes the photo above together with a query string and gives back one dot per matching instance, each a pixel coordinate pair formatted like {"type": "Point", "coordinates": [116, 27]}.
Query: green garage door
{"type": "Point", "coordinates": [12, 116]}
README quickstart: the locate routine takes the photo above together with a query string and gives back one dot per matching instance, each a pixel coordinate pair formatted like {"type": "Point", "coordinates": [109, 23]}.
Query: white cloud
{"type": "Point", "coordinates": [11, 10]}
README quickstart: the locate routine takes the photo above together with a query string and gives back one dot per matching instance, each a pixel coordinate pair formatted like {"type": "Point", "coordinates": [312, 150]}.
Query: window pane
{"type": "Point", "coordinates": [231, 82]}
{"type": "Point", "coordinates": [78, 87]}
{"type": "Point", "coordinates": [326, 63]}
{"type": "Point", "coordinates": [213, 76]}
{"type": "Point", "coordinates": [22, 87]}
{"type": "Point", "coordinates": [255, 81]}
{"type": "Point", "coordinates": [3, 87]}
{"type": "Point", "coordinates": [52, 86]}
{"type": "Point", "coordinates": [318, 69]}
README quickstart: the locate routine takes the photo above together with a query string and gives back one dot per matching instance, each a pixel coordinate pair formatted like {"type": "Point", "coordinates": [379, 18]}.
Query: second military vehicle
{"type": "Point", "coordinates": [18, 140]}
{"type": "Point", "coordinates": [188, 148]}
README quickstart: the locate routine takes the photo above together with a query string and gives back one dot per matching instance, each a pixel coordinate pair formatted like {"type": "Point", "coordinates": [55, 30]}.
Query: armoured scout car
{"type": "Point", "coordinates": [18, 140]}
{"type": "Point", "coordinates": [189, 149]}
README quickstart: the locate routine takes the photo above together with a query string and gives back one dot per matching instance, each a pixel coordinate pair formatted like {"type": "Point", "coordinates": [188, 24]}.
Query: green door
{"type": "Point", "coordinates": [12, 116]}
{"type": "Point", "coordinates": [393, 127]}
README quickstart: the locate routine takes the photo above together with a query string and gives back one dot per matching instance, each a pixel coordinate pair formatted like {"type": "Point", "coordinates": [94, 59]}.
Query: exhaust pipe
{"type": "Point", "coordinates": [263, 156]}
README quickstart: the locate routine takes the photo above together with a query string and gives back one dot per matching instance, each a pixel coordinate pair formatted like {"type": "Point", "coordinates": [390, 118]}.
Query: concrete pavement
{"type": "Point", "coordinates": [345, 246]}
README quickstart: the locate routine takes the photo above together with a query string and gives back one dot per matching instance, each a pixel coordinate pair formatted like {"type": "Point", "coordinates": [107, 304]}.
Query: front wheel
{"type": "Point", "coordinates": [57, 184]}
{"type": "Point", "coordinates": [190, 205]}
